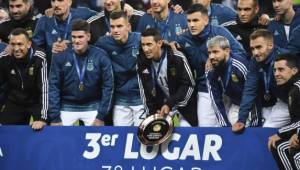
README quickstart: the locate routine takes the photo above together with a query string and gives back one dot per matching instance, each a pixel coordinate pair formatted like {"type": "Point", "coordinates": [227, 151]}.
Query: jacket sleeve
{"type": "Point", "coordinates": [54, 89]}
{"type": "Point", "coordinates": [107, 87]}
{"type": "Point", "coordinates": [216, 92]}
{"type": "Point", "coordinates": [39, 33]}
{"type": "Point", "coordinates": [42, 81]}
{"type": "Point", "coordinates": [287, 131]}
{"type": "Point", "coordinates": [186, 81]}
{"type": "Point", "coordinates": [3, 84]}
{"type": "Point", "coordinates": [249, 93]}
{"type": "Point", "coordinates": [293, 45]}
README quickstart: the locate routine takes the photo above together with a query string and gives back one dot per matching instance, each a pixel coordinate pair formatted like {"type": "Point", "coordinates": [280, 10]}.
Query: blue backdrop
{"type": "Point", "coordinates": [117, 148]}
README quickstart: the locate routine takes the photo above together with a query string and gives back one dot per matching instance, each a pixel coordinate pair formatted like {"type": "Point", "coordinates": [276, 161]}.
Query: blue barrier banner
{"type": "Point", "coordinates": [117, 148]}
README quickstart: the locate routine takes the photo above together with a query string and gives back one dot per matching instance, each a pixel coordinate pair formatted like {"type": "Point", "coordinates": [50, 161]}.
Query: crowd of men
{"type": "Point", "coordinates": [208, 66]}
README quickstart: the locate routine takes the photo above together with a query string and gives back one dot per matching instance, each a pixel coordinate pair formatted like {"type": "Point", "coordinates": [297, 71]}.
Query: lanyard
{"type": "Point", "coordinates": [227, 75]}
{"type": "Point", "coordinates": [165, 27]}
{"type": "Point", "coordinates": [267, 78]}
{"type": "Point", "coordinates": [80, 73]}
{"type": "Point", "coordinates": [154, 72]}
{"type": "Point", "coordinates": [65, 33]}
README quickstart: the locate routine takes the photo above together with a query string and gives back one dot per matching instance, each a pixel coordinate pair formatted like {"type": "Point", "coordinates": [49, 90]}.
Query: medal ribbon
{"type": "Point", "coordinates": [164, 31]}
{"type": "Point", "coordinates": [267, 78]}
{"type": "Point", "coordinates": [65, 33]}
{"type": "Point", "coordinates": [82, 72]}
{"type": "Point", "coordinates": [227, 75]}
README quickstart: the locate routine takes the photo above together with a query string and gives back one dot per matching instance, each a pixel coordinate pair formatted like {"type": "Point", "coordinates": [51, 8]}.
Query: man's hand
{"type": "Point", "coordinates": [165, 109]}
{"type": "Point", "coordinates": [272, 140]}
{"type": "Point", "coordinates": [38, 125]}
{"type": "Point", "coordinates": [177, 9]}
{"type": "Point", "coordinates": [264, 19]}
{"type": "Point", "coordinates": [294, 142]}
{"type": "Point", "coordinates": [60, 46]}
{"type": "Point", "coordinates": [208, 65]}
{"type": "Point", "coordinates": [238, 127]}
{"type": "Point", "coordinates": [49, 12]}
{"type": "Point", "coordinates": [128, 10]}
{"type": "Point", "coordinates": [56, 124]}
{"type": "Point", "coordinates": [98, 122]}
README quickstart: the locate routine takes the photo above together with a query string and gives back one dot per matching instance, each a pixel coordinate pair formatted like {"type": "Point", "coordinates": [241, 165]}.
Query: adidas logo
{"type": "Point", "coordinates": [114, 53]}
{"type": "Point", "coordinates": [276, 33]}
{"type": "Point", "coordinates": [238, 37]}
{"type": "Point", "coordinates": [12, 71]}
{"type": "Point", "coordinates": [146, 71]}
{"type": "Point", "coordinates": [68, 64]}
{"type": "Point", "coordinates": [187, 45]}
{"type": "Point", "coordinates": [1, 154]}
{"type": "Point", "coordinates": [54, 31]}
{"type": "Point", "coordinates": [148, 26]}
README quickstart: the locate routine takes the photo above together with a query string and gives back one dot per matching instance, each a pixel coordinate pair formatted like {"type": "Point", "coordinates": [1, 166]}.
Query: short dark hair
{"type": "Point", "coordinates": [25, 1]}
{"type": "Point", "coordinates": [262, 33]}
{"type": "Point", "coordinates": [116, 14]}
{"type": "Point", "coordinates": [255, 2]}
{"type": "Point", "coordinates": [81, 25]}
{"type": "Point", "coordinates": [19, 31]}
{"type": "Point", "coordinates": [152, 32]}
{"type": "Point", "coordinates": [291, 59]}
{"type": "Point", "coordinates": [197, 8]}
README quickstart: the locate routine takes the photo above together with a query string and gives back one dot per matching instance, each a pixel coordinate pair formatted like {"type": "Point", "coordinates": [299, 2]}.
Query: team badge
{"type": "Point", "coordinates": [90, 66]}
{"type": "Point", "coordinates": [30, 72]}
{"type": "Point", "coordinates": [234, 78]}
{"type": "Point", "coordinates": [173, 71]}
{"type": "Point", "coordinates": [267, 97]}
{"type": "Point", "coordinates": [135, 51]}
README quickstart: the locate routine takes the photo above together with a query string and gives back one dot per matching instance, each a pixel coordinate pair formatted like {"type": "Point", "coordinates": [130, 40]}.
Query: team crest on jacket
{"type": "Point", "coordinates": [234, 78]}
{"type": "Point", "coordinates": [135, 51]}
{"type": "Point", "coordinates": [30, 71]}
{"type": "Point", "coordinates": [90, 66]}
{"type": "Point", "coordinates": [173, 71]}
{"type": "Point", "coordinates": [12, 71]}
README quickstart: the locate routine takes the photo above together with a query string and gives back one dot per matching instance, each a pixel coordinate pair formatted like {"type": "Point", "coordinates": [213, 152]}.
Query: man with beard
{"type": "Point", "coordinates": [164, 19]}
{"type": "Point", "coordinates": [260, 87]}
{"type": "Point", "coordinates": [285, 144]}
{"type": "Point", "coordinates": [246, 23]}
{"type": "Point", "coordinates": [80, 82]}
{"type": "Point", "coordinates": [54, 33]}
{"type": "Point", "coordinates": [225, 80]}
{"type": "Point", "coordinates": [193, 43]}
{"type": "Point", "coordinates": [289, 19]}
{"type": "Point", "coordinates": [100, 23]}
{"type": "Point", "coordinates": [21, 15]}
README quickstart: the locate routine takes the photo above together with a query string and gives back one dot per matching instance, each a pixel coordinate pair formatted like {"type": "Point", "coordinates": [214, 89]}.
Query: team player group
{"type": "Point", "coordinates": [208, 66]}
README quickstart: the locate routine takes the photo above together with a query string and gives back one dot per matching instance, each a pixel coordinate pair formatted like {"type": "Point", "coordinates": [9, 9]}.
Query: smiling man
{"type": "Point", "coordinates": [80, 82]}
{"type": "Point", "coordinates": [167, 83]}
{"type": "Point", "coordinates": [23, 83]}
{"type": "Point", "coordinates": [260, 87]}
{"type": "Point", "coordinates": [21, 15]}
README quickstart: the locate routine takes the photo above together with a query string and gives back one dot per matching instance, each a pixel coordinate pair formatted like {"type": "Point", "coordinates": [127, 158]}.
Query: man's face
{"type": "Point", "coordinates": [205, 3]}
{"type": "Point", "coordinates": [261, 48]}
{"type": "Point", "coordinates": [158, 6]}
{"type": "Point", "coordinates": [247, 10]}
{"type": "Point", "coordinates": [80, 40]}
{"type": "Point", "coordinates": [19, 45]}
{"type": "Point", "coordinates": [217, 55]}
{"type": "Point", "coordinates": [151, 48]}
{"type": "Point", "coordinates": [282, 72]}
{"type": "Point", "coordinates": [111, 5]}
{"type": "Point", "coordinates": [282, 6]}
{"type": "Point", "coordinates": [119, 29]}
{"type": "Point", "coordinates": [196, 22]}
{"type": "Point", "coordinates": [61, 7]}
{"type": "Point", "coordinates": [18, 9]}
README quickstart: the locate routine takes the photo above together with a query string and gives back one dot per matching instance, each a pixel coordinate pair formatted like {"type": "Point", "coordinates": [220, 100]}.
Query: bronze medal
{"type": "Point", "coordinates": [81, 87]}
{"type": "Point", "coordinates": [267, 97]}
